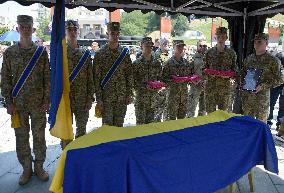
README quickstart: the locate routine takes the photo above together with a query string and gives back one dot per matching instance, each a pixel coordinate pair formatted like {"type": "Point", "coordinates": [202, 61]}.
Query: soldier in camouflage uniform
{"type": "Point", "coordinates": [32, 102]}
{"type": "Point", "coordinates": [196, 92]}
{"type": "Point", "coordinates": [256, 104]}
{"type": "Point", "coordinates": [218, 90]}
{"type": "Point", "coordinates": [117, 94]}
{"type": "Point", "coordinates": [160, 104]}
{"type": "Point", "coordinates": [177, 106]}
{"type": "Point", "coordinates": [82, 88]}
{"type": "Point", "coordinates": [146, 68]}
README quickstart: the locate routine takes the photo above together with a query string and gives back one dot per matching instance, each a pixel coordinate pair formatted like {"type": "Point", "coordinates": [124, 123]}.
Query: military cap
{"type": "Point", "coordinates": [221, 30]}
{"type": "Point", "coordinates": [178, 42]}
{"type": "Point", "coordinates": [71, 24]}
{"type": "Point", "coordinates": [261, 36]}
{"type": "Point", "coordinates": [113, 26]}
{"type": "Point", "coordinates": [147, 40]}
{"type": "Point", "coordinates": [24, 20]}
{"type": "Point", "coordinates": [164, 41]}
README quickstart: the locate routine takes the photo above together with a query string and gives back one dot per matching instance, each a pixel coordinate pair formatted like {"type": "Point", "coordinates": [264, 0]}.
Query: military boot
{"type": "Point", "coordinates": [40, 172]}
{"type": "Point", "coordinates": [26, 175]}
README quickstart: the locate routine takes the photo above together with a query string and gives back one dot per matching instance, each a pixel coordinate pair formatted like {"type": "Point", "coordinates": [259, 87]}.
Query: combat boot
{"type": "Point", "coordinates": [40, 172]}
{"type": "Point", "coordinates": [26, 175]}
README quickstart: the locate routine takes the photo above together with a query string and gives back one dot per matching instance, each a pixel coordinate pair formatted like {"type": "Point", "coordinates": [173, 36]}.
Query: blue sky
{"type": "Point", "coordinates": [11, 9]}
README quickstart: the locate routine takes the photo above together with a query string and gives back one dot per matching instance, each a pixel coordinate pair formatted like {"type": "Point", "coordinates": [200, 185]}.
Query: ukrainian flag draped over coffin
{"type": "Point", "coordinates": [195, 155]}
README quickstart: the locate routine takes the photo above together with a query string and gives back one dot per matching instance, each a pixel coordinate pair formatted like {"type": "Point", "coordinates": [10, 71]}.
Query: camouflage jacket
{"type": "Point", "coordinates": [162, 57]}
{"type": "Point", "coordinates": [121, 82]}
{"type": "Point", "coordinates": [36, 90]}
{"type": "Point", "coordinates": [82, 88]}
{"type": "Point", "coordinates": [144, 71]}
{"type": "Point", "coordinates": [216, 60]}
{"type": "Point", "coordinates": [178, 68]}
{"type": "Point", "coordinates": [271, 75]}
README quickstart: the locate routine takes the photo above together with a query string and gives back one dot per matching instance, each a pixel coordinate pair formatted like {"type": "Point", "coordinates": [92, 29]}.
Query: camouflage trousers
{"type": "Point", "coordinates": [177, 106]}
{"type": "Point", "coordinates": [256, 109]}
{"type": "Point", "coordinates": [81, 119]}
{"type": "Point", "coordinates": [114, 112]}
{"type": "Point", "coordinates": [38, 124]}
{"type": "Point", "coordinates": [160, 105]}
{"type": "Point", "coordinates": [217, 98]}
{"type": "Point", "coordinates": [194, 99]}
{"type": "Point", "coordinates": [143, 110]}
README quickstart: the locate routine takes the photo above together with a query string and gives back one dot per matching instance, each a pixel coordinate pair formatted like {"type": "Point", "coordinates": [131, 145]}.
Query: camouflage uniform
{"type": "Point", "coordinates": [219, 90]}
{"type": "Point", "coordinates": [81, 89]}
{"type": "Point", "coordinates": [34, 94]}
{"type": "Point", "coordinates": [160, 103]}
{"type": "Point", "coordinates": [257, 104]}
{"type": "Point", "coordinates": [117, 89]}
{"type": "Point", "coordinates": [177, 106]}
{"type": "Point", "coordinates": [145, 71]}
{"type": "Point", "coordinates": [196, 93]}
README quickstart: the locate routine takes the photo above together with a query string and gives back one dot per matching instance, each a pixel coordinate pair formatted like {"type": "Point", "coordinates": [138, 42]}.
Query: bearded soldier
{"type": "Point", "coordinates": [26, 87]}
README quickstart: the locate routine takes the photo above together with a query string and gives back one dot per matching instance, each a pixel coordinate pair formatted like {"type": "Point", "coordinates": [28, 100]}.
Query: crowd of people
{"type": "Point", "coordinates": [163, 85]}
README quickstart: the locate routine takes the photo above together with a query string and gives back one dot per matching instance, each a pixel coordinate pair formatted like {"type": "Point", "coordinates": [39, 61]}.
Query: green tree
{"type": "Point", "coordinates": [134, 23]}
{"type": "Point", "coordinates": [154, 22]}
{"type": "Point", "coordinates": [180, 24]}
{"type": "Point", "coordinates": [42, 30]}
{"type": "Point", "coordinates": [3, 30]}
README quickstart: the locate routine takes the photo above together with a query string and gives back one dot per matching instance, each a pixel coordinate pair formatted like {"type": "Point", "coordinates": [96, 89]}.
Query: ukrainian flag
{"type": "Point", "coordinates": [60, 118]}
{"type": "Point", "coordinates": [194, 155]}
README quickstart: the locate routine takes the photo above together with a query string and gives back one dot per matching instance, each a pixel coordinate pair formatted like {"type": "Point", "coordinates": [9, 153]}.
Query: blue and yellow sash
{"type": "Point", "coordinates": [79, 66]}
{"type": "Point", "coordinates": [113, 68]}
{"type": "Point", "coordinates": [27, 71]}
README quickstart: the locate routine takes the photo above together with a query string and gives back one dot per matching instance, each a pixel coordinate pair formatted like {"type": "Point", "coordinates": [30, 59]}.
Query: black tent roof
{"type": "Point", "coordinates": [187, 7]}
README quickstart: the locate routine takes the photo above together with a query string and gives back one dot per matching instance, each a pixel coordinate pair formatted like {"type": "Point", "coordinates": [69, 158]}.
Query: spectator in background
{"type": "Point", "coordinates": [156, 45]}
{"type": "Point", "coordinates": [276, 93]}
{"type": "Point", "coordinates": [39, 42]}
{"type": "Point", "coordinates": [133, 53]}
{"type": "Point", "coordinates": [95, 46]}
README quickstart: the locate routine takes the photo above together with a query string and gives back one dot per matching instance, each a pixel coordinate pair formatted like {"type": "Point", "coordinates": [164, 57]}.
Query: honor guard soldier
{"type": "Point", "coordinates": [81, 79]}
{"type": "Point", "coordinates": [162, 55]}
{"type": "Point", "coordinates": [218, 88]}
{"type": "Point", "coordinates": [255, 103]}
{"type": "Point", "coordinates": [113, 78]}
{"type": "Point", "coordinates": [26, 88]}
{"type": "Point", "coordinates": [146, 69]}
{"type": "Point", "coordinates": [196, 92]}
{"type": "Point", "coordinates": [177, 105]}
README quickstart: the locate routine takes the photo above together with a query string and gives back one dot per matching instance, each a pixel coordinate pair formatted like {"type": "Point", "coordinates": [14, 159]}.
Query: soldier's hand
{"type": "Point", "coordinates": [258, 88]}
{"type": "Point", "coordinates": [11, 110]}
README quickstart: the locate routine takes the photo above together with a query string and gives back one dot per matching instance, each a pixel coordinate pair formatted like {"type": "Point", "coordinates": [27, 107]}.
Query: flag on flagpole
{"type": "Point", "coordinates": [60, 118]}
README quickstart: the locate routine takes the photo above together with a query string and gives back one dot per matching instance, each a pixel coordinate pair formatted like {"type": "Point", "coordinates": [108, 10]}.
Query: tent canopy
{"type": "Point", "coordinates": [245, 17]}
{"type": "Point", "coordinates": [187, 7]}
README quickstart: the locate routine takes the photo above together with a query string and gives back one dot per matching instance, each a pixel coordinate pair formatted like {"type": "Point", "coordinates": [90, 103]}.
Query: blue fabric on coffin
{"type": "Point", "coordinates": [198, 159]}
